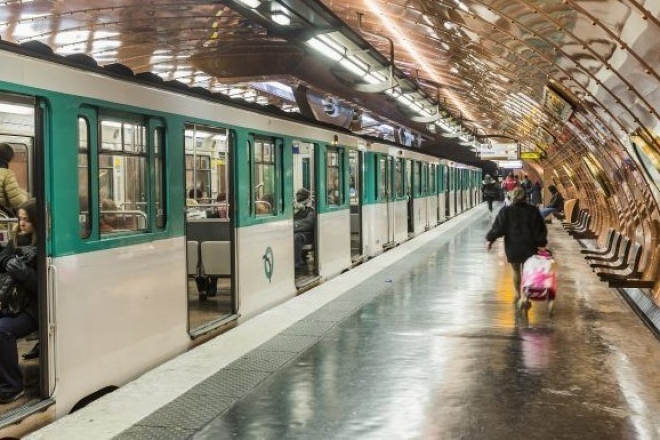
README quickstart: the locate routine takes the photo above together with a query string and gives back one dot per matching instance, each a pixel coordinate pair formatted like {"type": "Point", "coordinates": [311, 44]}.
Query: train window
{"type": "Point", "coordinates": [398, 178]}
{"type": "Point", "coordinates": [353, 177]}
{"type": "Point", "coordinates": [425, 178]}
{"type": "Point", "coordinates": [264, 177]}
{"type": "Point", "coordinates": [83, 178]}
{"type": "Point", "coordinates": [382, 178]}
{"type": "Point", "coordinates": [335, 193]}
{"type": "Point", "coordinates": [432, 178]}
{"type": "Point", "coordinates": [207, 171]}
{"type": "Point", "coordinates": [198, 177]}
{"type": "Point", "coordinates": [122, 177]}
{"type": "Point", "coordinates": [160, 182]}
{"type": "Point", "coordinates": [417, 178]}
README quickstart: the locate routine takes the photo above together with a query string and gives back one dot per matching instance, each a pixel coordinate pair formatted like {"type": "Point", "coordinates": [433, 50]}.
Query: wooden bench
{"type": "Point", "coordinates": [628, 274]}
{"type": "Point", "coordinates": [606, 248]}
{"type": "Point", "coordinates": [618, 257]}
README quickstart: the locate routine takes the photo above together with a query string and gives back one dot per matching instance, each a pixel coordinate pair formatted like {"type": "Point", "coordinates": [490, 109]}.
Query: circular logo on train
{"type": "Point", "coordinates": [269, 263]}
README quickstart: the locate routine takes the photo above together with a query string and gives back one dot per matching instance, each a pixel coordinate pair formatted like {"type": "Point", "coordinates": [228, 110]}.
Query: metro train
{"type": "Point", "coordinates": [137, 262]}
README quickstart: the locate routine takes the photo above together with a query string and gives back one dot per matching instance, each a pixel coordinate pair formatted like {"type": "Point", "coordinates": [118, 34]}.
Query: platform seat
{"type": "Point", "coordinates": [606, 248]}
{"type": "Point", "coordinates": [619, 256]}
{"type": "Point", "coordinates": [630, 275]}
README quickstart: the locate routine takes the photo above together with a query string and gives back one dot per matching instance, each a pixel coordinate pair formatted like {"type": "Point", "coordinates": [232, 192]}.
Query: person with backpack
{"type": "Point", "coordinates": [490, 191]}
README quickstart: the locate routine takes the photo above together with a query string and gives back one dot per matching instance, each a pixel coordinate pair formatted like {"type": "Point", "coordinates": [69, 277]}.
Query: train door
{"type": "Point", "coordinates": [22, 152]}
{"type": "Point", "coordinates": [387, 198]}
{"type": "Point", "coordinates": [410, 195]}
{"type": "Point", "coordinates": [355, 159]}
{"type": "Point", "coordinates": [305, 212]}
{"type": "Point", "coordinates": [451, 171]}
{"type": "Point", "coordinates": [209, 227]}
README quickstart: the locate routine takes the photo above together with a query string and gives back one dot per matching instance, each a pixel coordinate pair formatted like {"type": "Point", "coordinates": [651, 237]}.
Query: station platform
{"type": "Point", "coordinates": [423, 342]}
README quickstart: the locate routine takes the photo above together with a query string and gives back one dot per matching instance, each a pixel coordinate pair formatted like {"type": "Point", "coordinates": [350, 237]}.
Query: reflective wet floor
{"type": "Point", "coordinates": [441, 353]}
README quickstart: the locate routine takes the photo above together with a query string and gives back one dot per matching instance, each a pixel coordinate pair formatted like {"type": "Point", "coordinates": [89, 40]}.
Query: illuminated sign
{"type": "Point", "coordinates": [530, 155]}
{"type": "Point", "coordinates": [510, 164]}
{"type": "Point", "coordinates": [499, 152]}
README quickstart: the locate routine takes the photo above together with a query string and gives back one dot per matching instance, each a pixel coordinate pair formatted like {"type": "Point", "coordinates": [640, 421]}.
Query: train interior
{"type": "Point", "coordinates": [305, 182]}
{"type": "Point", "coordinates": [354, 188]}
{"type": "Point", "coordinates": [209, 230]}
{"type": "Point", "coordinates": [17, 128]}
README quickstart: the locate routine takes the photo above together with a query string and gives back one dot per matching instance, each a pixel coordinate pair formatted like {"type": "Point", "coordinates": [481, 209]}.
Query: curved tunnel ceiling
{"type": "Point", "coordinates": [540, 72]}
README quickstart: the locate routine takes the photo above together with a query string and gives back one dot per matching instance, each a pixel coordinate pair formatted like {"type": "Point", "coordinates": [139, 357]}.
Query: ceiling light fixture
{"type": "Point", "coordinates": [253, 4]}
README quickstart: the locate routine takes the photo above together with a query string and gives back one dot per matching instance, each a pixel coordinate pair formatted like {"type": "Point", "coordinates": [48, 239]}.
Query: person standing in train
{"type": "Point", "coordinates": [11, 194]}
{"type": "Point", "coordinates": [20, 318]}
{"type": "Point", "coordinates": [524, 232]}
{"type": "Point", "coordinates": [489, 191]}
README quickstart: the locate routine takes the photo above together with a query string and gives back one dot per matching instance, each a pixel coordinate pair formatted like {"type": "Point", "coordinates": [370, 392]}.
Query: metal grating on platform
{"type": "Point", "coordinates": [144, 432]}
{"type": "Point", "coordinates": [262, 360]}
{"type": "Point", "coordinates": [309, 328]}
{"type": "Point", "coordinates": [230, 383]}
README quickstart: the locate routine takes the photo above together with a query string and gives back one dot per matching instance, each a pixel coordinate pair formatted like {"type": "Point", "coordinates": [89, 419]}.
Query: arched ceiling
{"type": "Point", "coordinates": [503, 70]}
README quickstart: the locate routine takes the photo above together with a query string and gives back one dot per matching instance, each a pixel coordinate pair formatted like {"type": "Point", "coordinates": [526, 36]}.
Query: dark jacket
{"type": "Point", "coordinates": [523, 230]}
{"type": "Point", "coordinates": [557, 202]}
{"type": "Point", "coordinates": [26, 277]}
{"type": "Point", "coordinates": [303, 221]}
{"type": "Point", "coordinates": [536, 193]}
{"type": "Point", "coordinates": [490, 190]}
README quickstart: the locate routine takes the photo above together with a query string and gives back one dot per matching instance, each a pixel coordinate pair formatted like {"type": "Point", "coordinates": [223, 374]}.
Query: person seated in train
{"type": "Point", "coordinates": [19, 314]}
{"type": "Point", "coordinates": [108, 217]}
{"type": "Point", "coordinates": [219, 210]}
{"type": "Point", "coordinates": [556, 204]}
{"type": "Point", "coordinates": [264, 205]}
{"type": "Point", "coordinates": [303, 224]}
{"type": "Point", "coordinates": [192, 205]}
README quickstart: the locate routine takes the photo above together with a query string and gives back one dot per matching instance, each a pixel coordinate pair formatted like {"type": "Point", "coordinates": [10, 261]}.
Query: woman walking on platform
{"type": "Point", "coordinates": [490, 191]}
{"type": "Point", "coordinates": [524, 232]}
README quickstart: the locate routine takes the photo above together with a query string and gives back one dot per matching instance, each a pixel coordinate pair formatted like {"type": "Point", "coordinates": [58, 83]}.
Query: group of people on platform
{"type": "Point", "coordinates": [493, 190]}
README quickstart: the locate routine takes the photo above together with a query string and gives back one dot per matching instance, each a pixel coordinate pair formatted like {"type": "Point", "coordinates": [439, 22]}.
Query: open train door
{"type": "Point", "coordinates": [355, 159]}
{"type": "Point", "coordinates": [210, 238]}
{"type": "Point", "coordinates": [22, 126]}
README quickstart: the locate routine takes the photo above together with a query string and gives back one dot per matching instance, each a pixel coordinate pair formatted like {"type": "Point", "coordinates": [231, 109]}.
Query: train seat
{"type": "Point", "coordinates": [216, 257]}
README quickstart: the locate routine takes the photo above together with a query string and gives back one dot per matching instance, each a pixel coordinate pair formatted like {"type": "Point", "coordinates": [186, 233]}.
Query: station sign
{"type": "Point", "coordinates": [530, 155]}
{"type": "Point", "coordinates": [499, 152]}
{"type": "Point", "coordinates": [510, 164]}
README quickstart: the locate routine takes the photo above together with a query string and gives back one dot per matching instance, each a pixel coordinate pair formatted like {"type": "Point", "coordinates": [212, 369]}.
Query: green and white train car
{"type": "Point", "coordinates": [167, 215]}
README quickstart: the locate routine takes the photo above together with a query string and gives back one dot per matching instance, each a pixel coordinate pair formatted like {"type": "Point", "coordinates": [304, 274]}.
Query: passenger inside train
{"type": "Point", "coordinates": [108, 217]}
{"type": "Point", "coordinates": [219, 210]}
{"type": "Point", "coordinates": [303, 226]}
{"type": "Point", "coordinates": [19, 311]}
{"type": "Point", "coordinates": [11, 194]}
